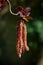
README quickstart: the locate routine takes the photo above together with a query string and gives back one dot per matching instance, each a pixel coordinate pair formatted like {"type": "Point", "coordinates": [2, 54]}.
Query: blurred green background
{"type": "Point", "coordinates": [8, 23]}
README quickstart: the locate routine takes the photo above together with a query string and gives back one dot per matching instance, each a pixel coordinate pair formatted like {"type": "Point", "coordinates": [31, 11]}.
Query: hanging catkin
{"type": "Point", "coordinates": [21, 39]}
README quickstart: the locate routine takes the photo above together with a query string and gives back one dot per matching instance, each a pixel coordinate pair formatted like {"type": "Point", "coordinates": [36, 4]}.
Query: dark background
{"type": "Point", "coordinates": [8, 23]}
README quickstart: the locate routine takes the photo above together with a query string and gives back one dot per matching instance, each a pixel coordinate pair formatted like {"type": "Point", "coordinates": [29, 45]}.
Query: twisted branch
{"type": "Point", "coordinates": [10, 8]}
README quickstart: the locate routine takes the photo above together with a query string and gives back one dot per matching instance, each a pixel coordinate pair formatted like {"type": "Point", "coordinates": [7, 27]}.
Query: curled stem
{"type": "Point", "coordinates": [10, 8]}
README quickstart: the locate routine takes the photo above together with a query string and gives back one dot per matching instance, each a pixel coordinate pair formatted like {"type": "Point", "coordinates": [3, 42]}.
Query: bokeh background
{"type": "Point", "coordinates": [8, 23]}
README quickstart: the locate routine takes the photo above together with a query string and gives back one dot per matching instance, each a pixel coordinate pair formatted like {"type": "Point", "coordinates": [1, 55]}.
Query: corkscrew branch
{"type": "Point", "coordinates": [10, 8]}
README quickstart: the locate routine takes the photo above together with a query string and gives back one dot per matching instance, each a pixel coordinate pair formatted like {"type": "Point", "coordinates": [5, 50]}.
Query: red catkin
{"type": "Point", "coordinates": [21, 39]}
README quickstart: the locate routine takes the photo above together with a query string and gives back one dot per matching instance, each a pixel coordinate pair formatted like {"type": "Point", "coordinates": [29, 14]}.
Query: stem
{"type": "Point", "coordinates": [10, 8]}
